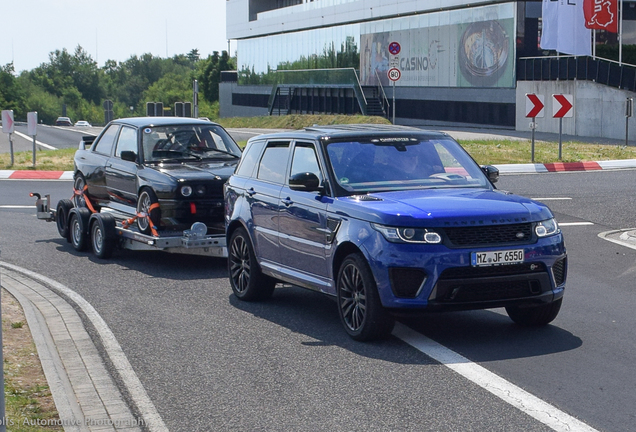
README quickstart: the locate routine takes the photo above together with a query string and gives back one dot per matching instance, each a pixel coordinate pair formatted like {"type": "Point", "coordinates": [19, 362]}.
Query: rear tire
{"type": "Point", "coordinates": [359, 306]}
{"type": "Point", "coordinates": [61, 217]}
{"type": "Point", "coordinates": [534, 316]}
{"type": "Point", "coordinates": [146, 199]}
{"type": "Point", "coordinates": [247, 280]}
{"type": "Point", "coordinates": [103, 235]}
{"type": "Point", "coordinates": [78, 226]}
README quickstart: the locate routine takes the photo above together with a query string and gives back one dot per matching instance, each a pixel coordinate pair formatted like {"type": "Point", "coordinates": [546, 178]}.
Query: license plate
{"type": "Point", "coordinates": [479, 259]}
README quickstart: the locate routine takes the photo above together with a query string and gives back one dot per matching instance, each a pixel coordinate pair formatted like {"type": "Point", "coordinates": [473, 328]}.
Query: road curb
{"type": "Point", "coordinates": [77, 375]}
{"type": "Point", "coordinates": [503, 169]}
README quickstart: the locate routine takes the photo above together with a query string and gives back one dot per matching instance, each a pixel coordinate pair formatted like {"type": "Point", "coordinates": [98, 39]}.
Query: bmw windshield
{"type": "Point", "coordinates": [387, 164]}
{"type": "Point", "coordinates": [188, 141]}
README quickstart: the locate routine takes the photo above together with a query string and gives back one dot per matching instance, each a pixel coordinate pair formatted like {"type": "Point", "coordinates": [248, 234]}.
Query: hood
{"type": "Point", "coordinates": [444, 207]}
{"type": "Point", "coordinates": [197, 170]}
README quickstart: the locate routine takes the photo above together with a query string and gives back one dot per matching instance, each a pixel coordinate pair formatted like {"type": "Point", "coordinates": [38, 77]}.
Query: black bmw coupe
{"type": "Point", "coordinates": [171, 168]}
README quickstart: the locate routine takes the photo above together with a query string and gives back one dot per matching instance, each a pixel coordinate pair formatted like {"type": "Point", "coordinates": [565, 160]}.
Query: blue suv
{"type": "Point", "coordinates": [388, 220]}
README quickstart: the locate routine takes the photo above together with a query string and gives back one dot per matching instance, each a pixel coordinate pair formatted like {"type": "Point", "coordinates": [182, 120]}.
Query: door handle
{"type": "Point", "coordinates": [250, 192]}
{"type": "Point", "coordinates": [287, 201]}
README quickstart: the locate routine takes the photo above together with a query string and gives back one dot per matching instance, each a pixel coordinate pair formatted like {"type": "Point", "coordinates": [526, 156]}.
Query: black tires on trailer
{"type": "Point", "coordinates": [246, 278]}
{"type": "Point", "coordinates": [103, 234]}
{"type": "Point", "coordinates": [359, 306]}
{"type": "Point", "coordinates": [78, 227]}
{"type": "Point", "coordinates": [61, 218]}
{"type": "Point", "coordinates": [146, 199]}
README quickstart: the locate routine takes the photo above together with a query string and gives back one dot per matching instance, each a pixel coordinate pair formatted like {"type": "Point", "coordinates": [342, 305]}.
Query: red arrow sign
{"type": "Point", "coordinates": [562, 105]}
{"type": "Point", "coordinates": [534, 105]}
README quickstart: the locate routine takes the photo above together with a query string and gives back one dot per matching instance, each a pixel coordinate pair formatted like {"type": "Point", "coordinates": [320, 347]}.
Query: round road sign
{"type": "Point", "coordinates": [394, 48]}
{"type": "Point", "coordinates": [394, 74]}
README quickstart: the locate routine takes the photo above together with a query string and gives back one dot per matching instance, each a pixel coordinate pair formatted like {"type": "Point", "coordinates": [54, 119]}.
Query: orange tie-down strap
{"type": "Point", "coordinates": [86, 199]}
{"type": "Point", "coordinates": [153, 229]}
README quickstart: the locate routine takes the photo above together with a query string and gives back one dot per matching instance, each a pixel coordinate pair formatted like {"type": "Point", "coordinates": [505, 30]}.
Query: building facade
{"type": "Point", "coordinates": [457, 59]}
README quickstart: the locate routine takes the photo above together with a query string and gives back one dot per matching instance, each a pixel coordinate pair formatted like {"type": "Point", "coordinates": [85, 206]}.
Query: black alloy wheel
{"type": "Point", "coordinates": [247, 280]}
{"type": "Point", "coordinates": [359, 306]}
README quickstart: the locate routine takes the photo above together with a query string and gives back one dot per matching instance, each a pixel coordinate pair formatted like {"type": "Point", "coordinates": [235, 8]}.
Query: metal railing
{"type": "Point", "coordinates": [385, 101]}
{"type": "Point", "coordinates": [602, 71]}
{"type": "Point", "coordinates": [338, 77]}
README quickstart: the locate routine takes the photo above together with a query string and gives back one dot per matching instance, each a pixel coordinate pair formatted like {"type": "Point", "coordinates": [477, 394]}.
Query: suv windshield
{"type": "Point", "coordinates": [188, 142]}
{"type": "Point", "coordinates": [387, 164]}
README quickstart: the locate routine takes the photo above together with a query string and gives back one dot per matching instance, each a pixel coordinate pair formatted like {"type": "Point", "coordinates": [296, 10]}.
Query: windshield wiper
{"type": "Point", "coordinates": [220, 151]}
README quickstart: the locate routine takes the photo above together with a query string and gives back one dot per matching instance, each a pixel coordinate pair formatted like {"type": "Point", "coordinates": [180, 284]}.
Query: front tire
{"type": "Point", "coordinates": [79, 185]}
{"type": "Point", "coordinates": [359, 306]}
{"type": "Point", "coordinates": [247, 280]}
{"type": "Point", "coordinates": [78, 226]}
{"type": "Point", "coordinates": [147, 199]}
{"type": "Point", "coordinates": [534, 316]}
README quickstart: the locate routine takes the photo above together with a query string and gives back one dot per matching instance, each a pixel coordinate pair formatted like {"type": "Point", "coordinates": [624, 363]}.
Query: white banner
{"type": "Point", "coordinates": [564, 27]}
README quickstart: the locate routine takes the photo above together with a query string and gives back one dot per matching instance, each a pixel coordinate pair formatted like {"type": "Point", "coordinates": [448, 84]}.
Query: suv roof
{"type": "Point", "coordinates": [354, 130]}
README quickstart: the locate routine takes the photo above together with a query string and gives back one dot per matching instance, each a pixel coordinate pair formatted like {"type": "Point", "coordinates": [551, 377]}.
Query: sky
{"type": "Point", "coordinates": [108, 29]}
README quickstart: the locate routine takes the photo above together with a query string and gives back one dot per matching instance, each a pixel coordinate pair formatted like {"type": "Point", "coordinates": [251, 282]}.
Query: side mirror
{"type": "Point", "coordinates": [306, 182]}
{"type": "Point", "coordinates": [128, 155]}
{"type": "Point", "coordinates": [491, 172]}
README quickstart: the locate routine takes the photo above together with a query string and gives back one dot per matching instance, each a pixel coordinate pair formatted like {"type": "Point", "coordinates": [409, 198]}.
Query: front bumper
{"type": "Point", "coordinates": [435, 277]}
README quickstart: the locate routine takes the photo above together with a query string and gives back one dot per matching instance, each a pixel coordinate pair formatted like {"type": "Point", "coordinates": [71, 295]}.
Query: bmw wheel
{"type": "Point", "coordinates": [79, 185]}
{"type": "Point", "coordinates": [146, 200]}
{"type": "Point", "coordinates": [359, 306]}
{"type": "Point", "coordinates": [247, 280]}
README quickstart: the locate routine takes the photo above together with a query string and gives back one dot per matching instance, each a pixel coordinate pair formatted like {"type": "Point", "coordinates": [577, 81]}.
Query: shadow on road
{"type": "Point", "coordinates": [481, 336]}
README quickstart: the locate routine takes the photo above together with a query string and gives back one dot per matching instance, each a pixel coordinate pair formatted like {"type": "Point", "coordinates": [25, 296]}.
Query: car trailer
{"type": "Point", "coordinates": [106, 230]}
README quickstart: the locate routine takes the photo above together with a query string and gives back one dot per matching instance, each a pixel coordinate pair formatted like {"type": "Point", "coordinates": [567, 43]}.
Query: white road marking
{"type": "Point", "coordinates": [552, 199]}
{"type": "Point", "coordinates": [116, 354]}
{"type": "Point", "coordinates": [36, 141]}
{"type": "Point", "coordinates": [17, 206]}
{"type": "Point", "coordinates": [510, 393]}
{"type": "Point", "coordinates": [575, 223]}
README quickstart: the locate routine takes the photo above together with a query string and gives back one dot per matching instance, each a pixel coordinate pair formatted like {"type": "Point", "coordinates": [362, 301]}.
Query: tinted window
{"type": "Point", "coordinates": [107, 140]}
{"type": "Point", "coordinates": [249, 159]}
{"type": "Point", "coordinates": [274, 163]}
{"type": "Point", "coordinates": [305, 160]}
{"type": "Point", "coordinates": [127, 141]}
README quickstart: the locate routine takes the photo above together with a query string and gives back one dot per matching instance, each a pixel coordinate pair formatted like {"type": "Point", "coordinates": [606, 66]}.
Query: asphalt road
{"type": "Point", "coordinates": [210, 362]}
{"type": "Point", "coordinates": [47, 138]}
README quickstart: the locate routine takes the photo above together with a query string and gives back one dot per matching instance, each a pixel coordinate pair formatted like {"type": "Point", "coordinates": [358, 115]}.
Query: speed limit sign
{"type": "Point", "coordinates": [394, 74]}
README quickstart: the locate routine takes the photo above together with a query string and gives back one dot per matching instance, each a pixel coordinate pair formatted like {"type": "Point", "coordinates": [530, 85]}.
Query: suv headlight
{"type": "Point", "coordinates": [547, 228]}
{"type": "Point", "coordinates": [408, 235]}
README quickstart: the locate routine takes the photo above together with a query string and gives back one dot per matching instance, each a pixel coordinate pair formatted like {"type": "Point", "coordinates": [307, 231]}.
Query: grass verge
{"type": "Point", "coordinates": [485, 152]}
{"type": "Point", "coordinates": [28, 400]}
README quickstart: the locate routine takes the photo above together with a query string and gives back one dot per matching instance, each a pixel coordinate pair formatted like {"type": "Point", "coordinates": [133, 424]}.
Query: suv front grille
{"type": "Point", "coordinates": [493, 235]}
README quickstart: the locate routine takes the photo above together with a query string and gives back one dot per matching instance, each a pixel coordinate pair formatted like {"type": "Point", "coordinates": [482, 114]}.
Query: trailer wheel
{"type": "Point", "coordinates": [146, 199]}
{"type": "Point", "coordinates": [78, 226]}
{"type": "Point", "coordinates": [103, 235]}
{"type": "Point", "coordinates": [61, 217]}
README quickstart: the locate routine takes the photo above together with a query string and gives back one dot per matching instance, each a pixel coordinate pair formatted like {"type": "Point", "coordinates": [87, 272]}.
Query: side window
{"type": "Point", "coordinates": [107, 140]}
{"type": "Point", "coordinates": [127, 141]}
{"type": "Point", "coordinates": [305, 160]}
{"type": "Point", "coordinates": [249, 159]}
{"type": "Point", "coordinates": [274, 162]}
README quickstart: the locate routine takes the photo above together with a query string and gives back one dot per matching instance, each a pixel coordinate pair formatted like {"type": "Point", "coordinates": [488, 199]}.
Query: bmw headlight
{"type": "Point", "coordinates": [186, 191]}
{"type": "Point", "coordinates": [547, 228]}
{"type": "Point", "coordinates": [408, 235]}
